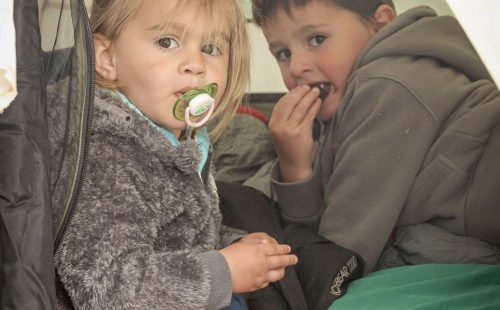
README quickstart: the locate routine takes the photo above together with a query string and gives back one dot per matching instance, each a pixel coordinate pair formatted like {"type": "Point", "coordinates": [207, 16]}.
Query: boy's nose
{"type": "Point", "coordinates": [299, 65]}
{"type": "Point", "coordinates": [193, 63]}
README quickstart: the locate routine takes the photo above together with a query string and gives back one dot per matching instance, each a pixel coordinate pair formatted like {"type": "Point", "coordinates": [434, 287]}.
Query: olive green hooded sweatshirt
{"type": "Point", "coordinates": [411, 142]}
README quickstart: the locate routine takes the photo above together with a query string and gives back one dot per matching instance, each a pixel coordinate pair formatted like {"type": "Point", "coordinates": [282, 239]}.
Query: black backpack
{"type": "Point", "coordinates": [37, 191]}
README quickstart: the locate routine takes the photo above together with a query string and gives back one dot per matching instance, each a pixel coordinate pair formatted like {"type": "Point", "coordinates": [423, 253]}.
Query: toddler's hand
{"type": "Point", "coordinates": [257, 237]}
{"type": "Point", "coordinates": [254, 266]}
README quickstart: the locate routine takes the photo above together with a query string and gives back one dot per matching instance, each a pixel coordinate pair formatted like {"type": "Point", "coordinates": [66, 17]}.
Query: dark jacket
{"type": "Point", "coordinates": [26, 235]}
{"type": "Point", "coordinates": [419, 116]}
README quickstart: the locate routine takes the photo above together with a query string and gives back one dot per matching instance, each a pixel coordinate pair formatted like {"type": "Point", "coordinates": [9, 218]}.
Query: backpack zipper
{"type": "Point", "coordinates": [84, 137]}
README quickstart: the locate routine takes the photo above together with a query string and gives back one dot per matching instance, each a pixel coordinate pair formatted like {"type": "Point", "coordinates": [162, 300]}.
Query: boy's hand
{"type": "Point", "coordinates": [291, 126]}
{"type": "Point", "coordinates": [254, 266]}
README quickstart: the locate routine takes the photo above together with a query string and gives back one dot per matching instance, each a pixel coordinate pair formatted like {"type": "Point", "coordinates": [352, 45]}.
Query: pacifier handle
{"type": "Point", "coordinates": [202, 121]}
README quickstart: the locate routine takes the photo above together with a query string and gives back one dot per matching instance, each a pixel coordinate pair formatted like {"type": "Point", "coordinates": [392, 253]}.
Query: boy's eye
{"type": "Point", "coordinates": [316, 40]}
{"type": "Point", "coordinates": [211, 49]}
{"type": "Point", "coordinates": [283, 54]}
{"type": "Point", "coordinates": [167, 43]}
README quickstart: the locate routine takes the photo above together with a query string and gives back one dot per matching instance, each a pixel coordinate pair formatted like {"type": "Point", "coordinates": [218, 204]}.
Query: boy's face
{"type": "Point", "coordinates": [317, 43]}
{"type": "Point", "coordinates": [159, 56]}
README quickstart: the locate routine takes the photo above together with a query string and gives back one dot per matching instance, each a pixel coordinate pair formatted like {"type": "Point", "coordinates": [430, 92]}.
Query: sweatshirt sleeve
{"type": "Point", "coordinates": [300, 202]}
{"type": "Point", "coordinates": [382, 135]}
{"type": "Point", "coordinates": [229, 235]}
{"type": "Point", "coordinates": [220, 279]}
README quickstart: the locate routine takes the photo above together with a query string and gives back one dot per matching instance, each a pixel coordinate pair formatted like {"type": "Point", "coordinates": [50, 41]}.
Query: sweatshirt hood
{"type": "Point", "coordinates": [419, 32]}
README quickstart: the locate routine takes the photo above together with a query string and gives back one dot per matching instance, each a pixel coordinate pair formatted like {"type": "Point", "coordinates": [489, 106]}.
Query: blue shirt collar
{"type": "Point", "coordinates": [201, 135]}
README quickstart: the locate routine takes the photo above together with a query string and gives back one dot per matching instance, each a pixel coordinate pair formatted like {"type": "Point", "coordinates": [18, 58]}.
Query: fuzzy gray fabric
{"type": "Point", "coordinates": [146, 226]}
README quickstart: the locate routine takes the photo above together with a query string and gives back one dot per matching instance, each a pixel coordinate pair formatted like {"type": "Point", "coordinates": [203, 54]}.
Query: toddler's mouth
{"type": "Point", "coordinates": [181, 92]}
{"type": "Point", "coordinates": [324, 88]}
{"type": "Point", "coordinates": [199, 100]}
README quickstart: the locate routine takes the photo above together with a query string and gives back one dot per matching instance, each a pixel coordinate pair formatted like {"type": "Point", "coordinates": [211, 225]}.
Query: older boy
{"type": "Point", "coordinates": [411, 119]}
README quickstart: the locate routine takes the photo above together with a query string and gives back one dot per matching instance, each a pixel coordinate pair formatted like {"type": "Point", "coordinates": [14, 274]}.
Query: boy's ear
{"type": "Point", "coordinates": [104, 60]}
{"type": "Point", "coordinates": [383, 15]}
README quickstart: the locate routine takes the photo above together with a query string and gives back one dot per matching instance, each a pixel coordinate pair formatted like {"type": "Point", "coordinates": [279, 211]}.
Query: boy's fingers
{"type": "Point", "coordinates": [302, 108]}
{"type": "Point", "coordinates": [298, 93]}
{"type": "Point", "coordinates": [313, 111]}
{"type": "Point", "coordinates": [286, 105]}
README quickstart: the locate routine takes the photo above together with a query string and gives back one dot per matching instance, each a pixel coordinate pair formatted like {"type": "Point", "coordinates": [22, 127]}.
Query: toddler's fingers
{"type": "Point", "coordinates": [275, 274]}
{"type": "Point", "coordinates": [281, 261]}
{"type": "Point", "coordinates": [255, 238]}
{"type": "Point", "coordinates": [276, 249]}
{"type": "Point", "coordinates": [269, 239]}
{"type": "Point", "coordinates": [260, 234]}
{"type": "Point", "coordinates": [263, 285]}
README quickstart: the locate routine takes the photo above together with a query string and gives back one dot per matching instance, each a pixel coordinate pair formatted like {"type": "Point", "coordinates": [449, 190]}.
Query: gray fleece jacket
{"type": "Point", "coordinates": [417, 116]}
{"type": "Point", "coordinates": [146, 227]}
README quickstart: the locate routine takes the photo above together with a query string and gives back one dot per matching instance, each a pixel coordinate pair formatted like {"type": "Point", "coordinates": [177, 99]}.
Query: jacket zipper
{"type": "Point", "coordinates": [69, 212]}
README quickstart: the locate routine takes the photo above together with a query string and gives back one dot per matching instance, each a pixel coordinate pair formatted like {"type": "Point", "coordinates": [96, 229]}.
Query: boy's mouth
{"type": "Point", "coordinates": [324, 88]}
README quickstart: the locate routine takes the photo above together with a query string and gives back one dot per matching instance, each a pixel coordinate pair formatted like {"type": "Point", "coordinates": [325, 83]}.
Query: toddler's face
{"type": "Point", "coordinates": [159, 56]}
{"type": "Point", "coordinates": [317, 43]}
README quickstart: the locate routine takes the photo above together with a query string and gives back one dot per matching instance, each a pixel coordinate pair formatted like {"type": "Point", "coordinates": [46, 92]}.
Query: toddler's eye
{"type": "Point", "coordinates": [167, 43]}
{"type": "Point", "coordinates": [316, 40]}
{"type": "Point", "coordinates": [283, 54]}
{"type": "Point", "coordinates": [212, 50]}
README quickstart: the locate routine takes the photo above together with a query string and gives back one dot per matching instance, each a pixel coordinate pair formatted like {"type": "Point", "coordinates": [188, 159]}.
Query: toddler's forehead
{"type": "Point", "coordinates": [217, 19]}
{"type": "Point", "coordinates": [180, 18]}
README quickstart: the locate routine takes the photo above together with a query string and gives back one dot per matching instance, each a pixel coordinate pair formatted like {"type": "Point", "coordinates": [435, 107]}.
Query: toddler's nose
{"type": "Point", "coordinates": [194, 63]}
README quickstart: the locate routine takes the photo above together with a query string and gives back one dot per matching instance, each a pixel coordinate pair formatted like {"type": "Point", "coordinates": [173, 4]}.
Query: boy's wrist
{"type": "Point", "coordinates": [293, 173]}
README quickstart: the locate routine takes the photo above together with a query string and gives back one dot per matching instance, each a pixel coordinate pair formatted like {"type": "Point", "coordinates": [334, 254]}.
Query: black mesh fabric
{"type": "Point", "coordinates": [44, 57]}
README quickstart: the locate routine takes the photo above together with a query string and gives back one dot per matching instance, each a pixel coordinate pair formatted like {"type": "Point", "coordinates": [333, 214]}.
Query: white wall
{"type": "Point", "coordinates": [49, 14]}
{"type": "Point", "coordinates": [480, 22]}
{"type": "Point", "coordinates": [440, 6]}
{"type": "Point", "coordinates": [265, 74]}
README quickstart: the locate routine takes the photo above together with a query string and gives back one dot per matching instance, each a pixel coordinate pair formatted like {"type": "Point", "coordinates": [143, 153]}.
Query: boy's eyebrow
{"type": "Point", "coordinates": [308, 28]}
{"type": "Point", "coordinates": [274, 45]}
{"type": "Point", "coordinates": [298, 33]}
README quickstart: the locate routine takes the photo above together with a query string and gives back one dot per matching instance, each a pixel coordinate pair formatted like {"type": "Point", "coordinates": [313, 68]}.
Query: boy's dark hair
{"type": "Point", "coordinates": [265, 9]}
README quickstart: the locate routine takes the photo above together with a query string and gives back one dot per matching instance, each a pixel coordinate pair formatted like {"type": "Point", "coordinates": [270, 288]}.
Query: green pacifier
{"type": "Point", "coordinates": [194, 103]}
